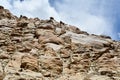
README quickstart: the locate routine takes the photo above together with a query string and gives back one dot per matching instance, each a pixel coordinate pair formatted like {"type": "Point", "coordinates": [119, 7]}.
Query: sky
{"type": "Point", "coordinates": [94, 16]}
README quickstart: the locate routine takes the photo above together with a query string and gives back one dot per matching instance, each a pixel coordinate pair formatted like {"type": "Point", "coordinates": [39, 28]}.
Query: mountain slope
{"type": "Point", "coordinates": [35, 49]}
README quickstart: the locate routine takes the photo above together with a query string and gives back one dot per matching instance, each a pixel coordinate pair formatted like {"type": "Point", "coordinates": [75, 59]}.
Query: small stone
{"type": "Point", "coordinates": [65, 53]}
{"type": "Point", "coordinates": [4, 56]}
{"type": "Point", "coordinates": [46, 26]}
{"type": "Point", "coordinates": [2, 76]}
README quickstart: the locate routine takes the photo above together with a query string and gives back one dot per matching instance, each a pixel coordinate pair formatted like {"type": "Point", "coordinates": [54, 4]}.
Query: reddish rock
{"type": "Point", "coordinates": [50, 39]}
{"type": "Point", "coordinates": [51, 65]}
{"type": "Point", "coordinates": [29, 62]}
{"type": "Point", "coordinates": [4, 56]}
{"type": "Point", "coordinates": [64, 53]}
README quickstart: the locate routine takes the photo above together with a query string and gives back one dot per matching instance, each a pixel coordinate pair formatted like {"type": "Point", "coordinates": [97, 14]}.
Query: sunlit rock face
{"type": "Point", "coordinates": [35, 49]}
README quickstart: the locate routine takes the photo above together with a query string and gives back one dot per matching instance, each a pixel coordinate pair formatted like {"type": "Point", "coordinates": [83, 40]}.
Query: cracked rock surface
{"type": "Point", "coordinates": [35, 49]}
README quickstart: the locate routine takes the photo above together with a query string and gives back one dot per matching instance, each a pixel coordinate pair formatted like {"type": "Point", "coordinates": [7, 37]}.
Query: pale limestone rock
{"type": "Point", "coordinates": [77, 76]}
{"type": "Point", "coordinates": [98, 77]}
{"type": "Point", "coordinates": [55, 47]}
{"type": "Point", "coordinates": [14, 64]}
{"type": "Point", "coordinates": [25, 75]}
{"type": "Point", "coordinates": [31, 25]}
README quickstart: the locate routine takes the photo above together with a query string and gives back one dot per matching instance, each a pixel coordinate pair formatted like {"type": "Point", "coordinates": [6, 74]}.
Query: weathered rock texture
{"type": "Point", "coordinates": [34, 49]}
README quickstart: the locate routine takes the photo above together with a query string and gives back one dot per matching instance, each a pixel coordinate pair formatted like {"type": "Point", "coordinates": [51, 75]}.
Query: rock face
{"type": "Point", "coordinates": [34, 49]}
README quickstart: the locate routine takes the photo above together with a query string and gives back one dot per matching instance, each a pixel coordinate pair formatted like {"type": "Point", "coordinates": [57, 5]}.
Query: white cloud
{"type": "Point", "coordinates": [119, 35]}
{"type": "Point", "coordinates": [31, 8]}
{"type": "Point", "coordinates": [34, 8]}
{"type": "Point", "coordinates": [88, 15]}
{"type": "Point", "coordinates": [5, 3]}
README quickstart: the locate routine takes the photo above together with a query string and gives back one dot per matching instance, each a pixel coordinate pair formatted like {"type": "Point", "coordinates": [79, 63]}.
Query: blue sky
{"type": "Point", "coordinates": [93, 16]}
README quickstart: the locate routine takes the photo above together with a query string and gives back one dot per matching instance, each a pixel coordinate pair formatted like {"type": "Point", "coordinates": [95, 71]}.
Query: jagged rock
{"type": "Point", "coordinates": [58, 31]}
{"type": "Point", "coordinates": [96, 77]}
{"type": "Point", "coordinates": [104, 36]}
{"type": "Point", "coordinates": [23, 17]}
{"type": "Point", "coordinates": [28, 36]}
{"type": "Point", "coordinates": [4, 13]}
{"type": "Point", "coordinates": [4, 56]}
{"type": "Point", "coordinates": [25, 75]}
{"type": "Point", "coordinates": [16, 38]}
{"type": "Point", "coordinates": [46, 26]}
{"type": "Point", "coordinates": [55, 47]}
{"type": "Point", "coordinates": [67, 39]}
{"type": "Point", "coordinates": [2, 76]}
{"type": "Point", "coordinates": [77, 76]}
{"type": "Point", "coordinates": [50, 39]}
{"type": "Point", "coordinates": [31, 25]}
{"type": "Point", "coordinates": [36, 49]}
{"type": "Point", "coordinates": [1, 7]}
{"type": "Point", "coordinates": [22, 24]}
{"type": "Point", "coordinates": [29, 62]}
{"type": "Point", "coordinates": [13, 65]}
{"type": "Point", "coordinates": [51, 66]}
{"type": "Point", "coordinates": [74, 29]}
{"type": "Point", "coordinates": [64, 53]}
{"type": "Point", "coordinates": [41, 32]}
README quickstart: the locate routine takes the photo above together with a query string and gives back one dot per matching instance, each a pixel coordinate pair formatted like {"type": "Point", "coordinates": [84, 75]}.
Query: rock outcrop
{"type": "Point", "coordinates": [35, 49]}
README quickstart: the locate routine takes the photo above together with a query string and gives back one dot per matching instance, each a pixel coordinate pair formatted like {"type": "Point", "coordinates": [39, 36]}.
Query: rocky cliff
{"type": "Point", "coordinates": [35, 49]}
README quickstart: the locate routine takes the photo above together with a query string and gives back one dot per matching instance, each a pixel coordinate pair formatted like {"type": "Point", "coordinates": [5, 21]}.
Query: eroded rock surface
{"type": "Point", "coordinates": [35, 49]}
